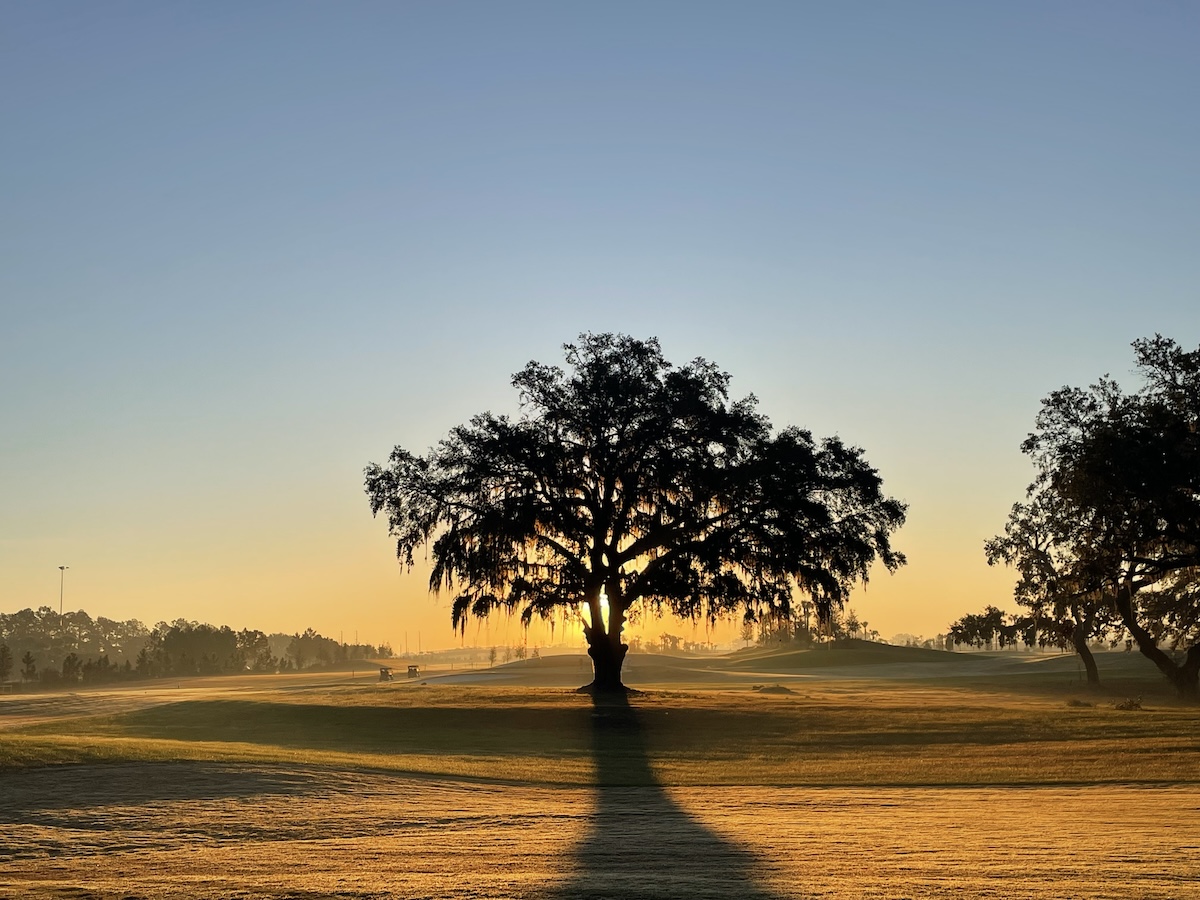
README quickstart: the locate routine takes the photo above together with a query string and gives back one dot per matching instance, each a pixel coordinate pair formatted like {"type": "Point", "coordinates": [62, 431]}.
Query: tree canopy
{"type": "Point", "coordinates": [1123, 472]}
{"type": "Point", "coordinates": [992, 626]}
{"type": "Point", "coordinates": [630, 483]}
{"type": "Point", "coordinates": [1040, 540]}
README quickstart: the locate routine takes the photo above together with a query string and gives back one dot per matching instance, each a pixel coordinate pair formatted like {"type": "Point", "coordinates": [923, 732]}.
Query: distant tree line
{"type": "Point", "coordinates": [937, 642]}
{"type": "Point", "coordinates": [73, 648]}
{"type": "Point", "coordinates": [807, 629]}
{"type": "Point", "coordinates": [667, 643]}
{"type": "Point", "coordinates": [994, 629]}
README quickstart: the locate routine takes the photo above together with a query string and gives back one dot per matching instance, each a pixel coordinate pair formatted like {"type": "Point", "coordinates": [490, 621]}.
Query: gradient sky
{"type": "Point", "coordinates": [246, 248]}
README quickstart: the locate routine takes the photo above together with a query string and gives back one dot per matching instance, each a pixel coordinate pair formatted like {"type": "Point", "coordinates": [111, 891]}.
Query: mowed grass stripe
{"type": "Point", "coordinates": [843, 735]}
{"type": "Point", "coordinates": [18, 751]}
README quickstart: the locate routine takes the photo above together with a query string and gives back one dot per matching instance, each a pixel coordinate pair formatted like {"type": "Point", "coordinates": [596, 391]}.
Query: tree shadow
{"type": "Point", "coordinates": [640, 843]}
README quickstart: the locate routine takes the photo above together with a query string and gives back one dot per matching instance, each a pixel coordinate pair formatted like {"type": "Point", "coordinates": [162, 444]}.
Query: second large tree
{"type": "Point", "coordinates": [631, 483]}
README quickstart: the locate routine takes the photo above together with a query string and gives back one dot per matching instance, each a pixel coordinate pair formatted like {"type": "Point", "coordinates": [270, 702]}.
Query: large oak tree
{"type": "Point", "coordinates": [1124, 471]}
{"type": "Point", "coordinates": [628, 483]}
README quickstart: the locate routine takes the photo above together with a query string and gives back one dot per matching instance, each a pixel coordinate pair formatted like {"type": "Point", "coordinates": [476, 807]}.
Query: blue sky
{"type": "Point", "coordinates": [248, 247]}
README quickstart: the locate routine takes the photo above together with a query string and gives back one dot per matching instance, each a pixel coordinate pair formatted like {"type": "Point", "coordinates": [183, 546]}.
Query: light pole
{"type": "Point", "coordinates": [62, 577]}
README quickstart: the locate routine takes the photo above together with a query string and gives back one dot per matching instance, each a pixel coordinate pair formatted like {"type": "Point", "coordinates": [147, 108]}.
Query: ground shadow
{"type": "Point", "coordinates": [640, 843]}
{"type": "Point", "coordinates": [27, 791]}
{"type": "Point", "coordinates": [504, 730]}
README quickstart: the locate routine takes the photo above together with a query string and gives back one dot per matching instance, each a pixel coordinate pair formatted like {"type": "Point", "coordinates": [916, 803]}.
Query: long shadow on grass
{"type": "Point", "coordinates": [640, 843]}
{"type": "Point", "coordinates": [133, 784]}
{"type": "Point", "coordinates": [493, 732]}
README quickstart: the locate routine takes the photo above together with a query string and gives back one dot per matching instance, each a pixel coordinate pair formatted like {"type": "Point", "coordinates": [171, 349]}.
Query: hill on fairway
{"type": "Point", "coordinates": [846, 659]}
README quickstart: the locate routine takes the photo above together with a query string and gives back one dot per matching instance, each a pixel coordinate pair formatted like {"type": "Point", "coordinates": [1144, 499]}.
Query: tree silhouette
{"type": "Point", "coordinates": [986, 629]}
{"type": "Point", "coordinates": [1039, 542]}
{"type": "Point", "coordinates": [627, 480]}
{"type": "Point", "coordinates": [71, 668]}
{"type": "Point", "coordinates": [1124, 469]}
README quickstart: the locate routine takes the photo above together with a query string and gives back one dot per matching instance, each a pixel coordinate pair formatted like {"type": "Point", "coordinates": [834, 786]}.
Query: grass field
{"type": "Point", "coordinates": [869, 773]}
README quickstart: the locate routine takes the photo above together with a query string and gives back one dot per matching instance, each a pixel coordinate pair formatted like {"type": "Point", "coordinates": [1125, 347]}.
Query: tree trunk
{"type": "Point", "coordinates": [1080, 639]}
{"type": "Point", "coordinates": [608, 655]}
{"type": "Point", "coordinates": [1188, 683]}
{"type": "Point", "coordinates": [1186, 677]}
{"type": "Point", "coordinates": [605, 647]}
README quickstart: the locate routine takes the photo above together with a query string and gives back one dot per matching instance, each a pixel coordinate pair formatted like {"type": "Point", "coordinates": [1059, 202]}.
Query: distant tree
{"type": "Point", "coordinates": [99, 670]}
{"type": "Point", "coordinates": [835, 626]}
{"type": "Point", "coordinates": [1124, 468]}
{"type": "Point", "coordinates": [301, 649]}
{"type": "Point", "coordinates": [146, 666]}
{"type": "Point", "coordinates": [965, 632]}
{"type": "Point", "coordinates": [783, 630]}
{"type": "Point", "coordinates": [1038, 541]}
{"type": "Point", "coordinates": [71, 668]}
{"type": "Point", "coordinates": [492, 656]}
{"type": "Point", "coordinates": [853, 626]}
{"type": "Point", "coordinates": [987, 630]}
{"type": "Point", "coordinates": [630, 482]}
{"type": "Point", "coordinates": [253, 652]}
{"type": "Point", "coordinates": [806, 609]}
{"type": "Point", "coordinates": [6, 662]}
{"type": "Point", "coordinates": [310, 647]}
{"type": "Point", "coordinates": [29, 670]}
{"type": "Point", "coordinates": [748, 631]}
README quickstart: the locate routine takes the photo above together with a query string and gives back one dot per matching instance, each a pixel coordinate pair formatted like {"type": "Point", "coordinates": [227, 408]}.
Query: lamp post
{"type": "Point", "coordinates": [62, 577]}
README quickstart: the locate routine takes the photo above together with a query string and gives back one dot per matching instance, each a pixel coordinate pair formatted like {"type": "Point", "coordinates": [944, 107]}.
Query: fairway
{"type": "Point", "coordinates": [963, 782]}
